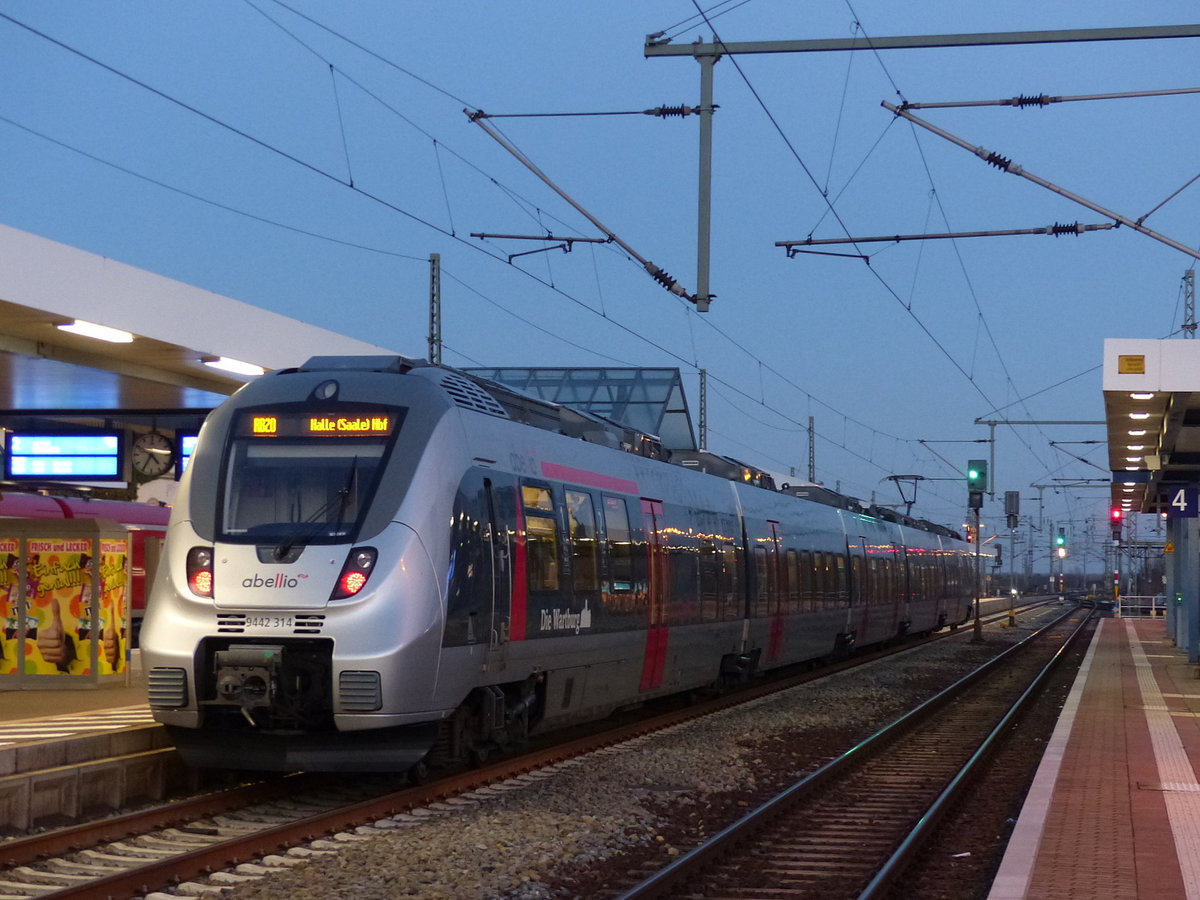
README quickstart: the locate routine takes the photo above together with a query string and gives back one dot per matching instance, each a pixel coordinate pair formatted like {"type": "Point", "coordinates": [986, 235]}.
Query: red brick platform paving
{"type": "Point", "coordinates": [1115, 809]}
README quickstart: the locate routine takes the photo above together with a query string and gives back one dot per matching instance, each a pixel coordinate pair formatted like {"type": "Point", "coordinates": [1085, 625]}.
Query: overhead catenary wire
{"type": "Point", "coordinates": [317, 170]}
{"type": "Point", "coordinates": [374, 95]}
{"type": "Point", "coordinates": [451, 276]}
{"type": "Point", "coordinates": [1058, 229]}
{"type": "Point", "coordinates": [1027, 100]}
{"type": "Point", "coordinates": [1007, 165]}
{"type": "Point", "coordinates": [661, 112]}
{"type": "Point", "coordinates": [1024, 101]}
{"type": "Point", "coordinates": [720, 46]}
{"type": "Point", "coordinates": [435, 87]}
{"type": "Point", "coordinates": [658, 274]}
{"type": "Point", "coordinates": [936, 197]}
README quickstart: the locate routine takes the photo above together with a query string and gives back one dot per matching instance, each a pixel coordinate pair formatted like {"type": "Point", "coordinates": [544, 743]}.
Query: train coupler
{"type": "Point", "coordinates": [247, 676]}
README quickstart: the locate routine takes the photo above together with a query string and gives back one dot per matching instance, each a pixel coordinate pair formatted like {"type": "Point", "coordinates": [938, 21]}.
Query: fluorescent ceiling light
{"type": "Point", "coordinates": [1132, 468]}
{"type": "Point", "coordinates": [99, 332]}
{"type": "Point", "coordinates": [1136, 447]}
{"type": "Point", "coordinates": [1139, 415]}
{"type": "Point", "coordinates": [1127, 490]}
{"type": "Point", "coordinates": [1137, 432]}
{"type": "Point", "coordinates": [225, 364]}
{"type": "Point", "coordinates": [1141, 396]}
{"type": "Point", "coordinates": [1133, 459]}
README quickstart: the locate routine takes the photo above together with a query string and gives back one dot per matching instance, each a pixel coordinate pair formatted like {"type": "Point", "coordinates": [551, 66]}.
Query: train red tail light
{"type": "Point", "coordinates": [200, 571]}
{"type": "Point", "coordinates": [356, 571]}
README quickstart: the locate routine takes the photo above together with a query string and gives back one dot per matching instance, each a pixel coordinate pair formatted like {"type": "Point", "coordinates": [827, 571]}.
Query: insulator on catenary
{"type": "Point", "coordinates": [662, 277]}
{"type": "Point", "coordinates": [1023, 100]}
{"type": "Point", "coordinates": [668, 112]}
{"type": "Point", "coordinates": [1058, 228]}
{"type": "Point", "coordinates": [1000, 162]}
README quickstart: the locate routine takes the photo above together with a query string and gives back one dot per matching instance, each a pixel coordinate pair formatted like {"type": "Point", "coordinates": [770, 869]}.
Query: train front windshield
{"type": "Point", "coordinates": [302, 478]}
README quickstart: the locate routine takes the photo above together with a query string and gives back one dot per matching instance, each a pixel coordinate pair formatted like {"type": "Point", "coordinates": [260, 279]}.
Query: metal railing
{"type": "Point", "coordinates": [1142, 607]}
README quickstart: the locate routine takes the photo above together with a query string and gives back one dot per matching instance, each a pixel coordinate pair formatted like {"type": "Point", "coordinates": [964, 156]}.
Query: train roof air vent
{"type": "Point", "coordinates": [470, 395]}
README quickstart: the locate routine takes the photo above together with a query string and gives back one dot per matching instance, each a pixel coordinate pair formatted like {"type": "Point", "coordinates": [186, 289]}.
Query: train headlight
{"type": "Point", "coordinates": [200, 571]}
{"type": "Point", "coordinates": [356, 571]}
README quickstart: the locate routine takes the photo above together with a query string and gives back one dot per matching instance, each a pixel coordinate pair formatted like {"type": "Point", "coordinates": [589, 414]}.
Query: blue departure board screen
{"type": "Point", "coordinates": [183, 455]}
{"type": "Point", "coordinates": [64, 457]}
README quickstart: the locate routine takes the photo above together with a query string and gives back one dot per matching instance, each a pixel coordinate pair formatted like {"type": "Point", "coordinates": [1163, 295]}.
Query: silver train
{"type": "Point", "coordinates": [376, 563]}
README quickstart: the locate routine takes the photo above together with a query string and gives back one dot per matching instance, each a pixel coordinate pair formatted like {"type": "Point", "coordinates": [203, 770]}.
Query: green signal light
{"type": "Point", "coordinates": [977, 475]}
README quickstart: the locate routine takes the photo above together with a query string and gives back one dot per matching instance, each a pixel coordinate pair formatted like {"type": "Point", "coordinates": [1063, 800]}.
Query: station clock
{"type": "Point", "coordinates": [152, 454]}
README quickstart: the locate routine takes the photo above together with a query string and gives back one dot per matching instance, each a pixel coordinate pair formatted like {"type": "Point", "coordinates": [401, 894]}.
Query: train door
{"type": "Point", "coordinates": [859, 610]}
{"type": "Point", "coordinates": [655, 660]}
{"type": "Point", "coordinates": [893, 587]}
{"type": "Point", "coordinates": [774, 593]}
{"type": "Point", "coordinates": [498, 539]}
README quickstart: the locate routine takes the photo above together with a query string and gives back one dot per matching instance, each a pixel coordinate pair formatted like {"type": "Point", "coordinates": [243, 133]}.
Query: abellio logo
{"type": "Point", "coordinates": [278, 580]}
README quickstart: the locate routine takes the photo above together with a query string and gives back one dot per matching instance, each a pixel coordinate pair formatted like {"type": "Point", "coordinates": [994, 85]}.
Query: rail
{"type": "Point", "coordinates": [689, 867]}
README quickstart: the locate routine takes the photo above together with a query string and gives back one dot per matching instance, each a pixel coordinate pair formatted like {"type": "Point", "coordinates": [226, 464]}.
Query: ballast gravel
{"type": "Point", "coordinates": [588, 827]}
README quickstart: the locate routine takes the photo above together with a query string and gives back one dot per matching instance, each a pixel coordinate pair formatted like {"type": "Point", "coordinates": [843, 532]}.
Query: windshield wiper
{"type": "Point", "coordinates": [315, 524]}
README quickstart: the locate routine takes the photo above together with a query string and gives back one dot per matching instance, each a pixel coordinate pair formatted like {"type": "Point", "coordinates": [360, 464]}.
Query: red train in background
{"type": "Point", "coordinates": [146, 522]}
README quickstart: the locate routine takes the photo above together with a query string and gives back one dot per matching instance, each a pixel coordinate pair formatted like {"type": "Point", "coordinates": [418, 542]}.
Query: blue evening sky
{"type": "Point", "coordinates": [307, 157]}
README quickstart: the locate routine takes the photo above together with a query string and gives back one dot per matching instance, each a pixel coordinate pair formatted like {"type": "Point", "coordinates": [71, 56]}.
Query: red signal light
{"type": "Point", "coordinates": [1115, 514]}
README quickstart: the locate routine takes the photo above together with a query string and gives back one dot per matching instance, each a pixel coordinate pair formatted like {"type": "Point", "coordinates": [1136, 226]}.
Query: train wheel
{"type": "Point", "coordinates": [479, 755]}
{"type": "Point", "coordinates": [418, 773]}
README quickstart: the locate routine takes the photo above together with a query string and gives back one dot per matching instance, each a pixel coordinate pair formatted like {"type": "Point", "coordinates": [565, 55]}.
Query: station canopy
{"type": "Point", "coordinates": [162, 369]}
{"type": "Point", "coordinates": [151, 367]}
{"type": "Point", "coordinates": [651, 401]}
{"type": "Point", "coordinates": [1152, 413]}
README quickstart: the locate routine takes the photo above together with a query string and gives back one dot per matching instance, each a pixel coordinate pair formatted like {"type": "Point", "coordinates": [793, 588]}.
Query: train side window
{"type": "Point", "coordinates": [761, 580]}
{"type": "Point", "coordinates": [541, 537]}
{"type": "Point", "coordinates": [856, 581]}
{"type": "Point", "coordinates": [807, 599]}
{"type": "Point", "coordinates": [874, 579]}
{"type": "Point", "coordinates": [730, 590]}
{"type": "Point", "coordinates": [537, 497]}
{"type": "Point", "coordinates": [620, 547]}
{"type": "Point", "coordinates": [581, 519]}
{"type": "Point", "coordinates": [842, 594]}
{"type": "Point", "coordinates": [710, 568]}
{"type": "Point", "coordinates": [793, 582]}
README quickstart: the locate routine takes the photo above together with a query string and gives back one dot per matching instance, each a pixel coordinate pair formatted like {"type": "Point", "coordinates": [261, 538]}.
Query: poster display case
{"type": "Point", "coordinates": [64, 603]}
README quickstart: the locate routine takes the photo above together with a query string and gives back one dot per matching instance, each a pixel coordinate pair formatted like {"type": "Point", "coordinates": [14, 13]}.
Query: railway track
{"type": "Point", "coordinates": [850, 828]}
{"type": "Point", "coordinates": [276, 822]}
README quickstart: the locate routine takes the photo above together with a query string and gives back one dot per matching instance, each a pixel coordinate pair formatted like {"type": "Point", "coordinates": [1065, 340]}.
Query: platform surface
{"type": "Point", "coordinates": [31, 714]}
{"type": "Point", "coordinates": [1114, 811]}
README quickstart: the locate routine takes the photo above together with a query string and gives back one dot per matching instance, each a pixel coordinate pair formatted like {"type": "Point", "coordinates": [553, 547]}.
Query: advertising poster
{"type": "Point", "coordinates": [9, 599]}
{"type": "Point", "coordinates": [114, 605]}
{"type": "Point", "coordinates": [58, 629]}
